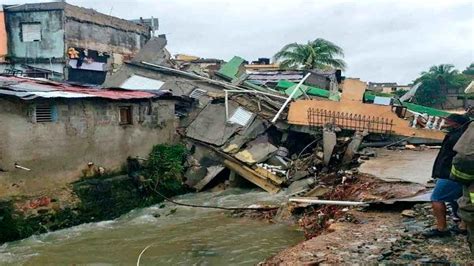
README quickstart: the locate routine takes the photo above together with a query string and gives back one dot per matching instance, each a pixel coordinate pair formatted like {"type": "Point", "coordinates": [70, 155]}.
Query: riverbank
{"type": "Point", "coordinates": [89, 200]}
{"type": "Point", "coordinates": [96, 198]}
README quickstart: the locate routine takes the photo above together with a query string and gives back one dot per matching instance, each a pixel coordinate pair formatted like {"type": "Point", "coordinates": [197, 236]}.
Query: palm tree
{"type": "Point", "coordinates": [317, 54]}
{"type": "Point", "coordinates": [444, 73]}
{"type": "Point", "coordinates": [436, 82]}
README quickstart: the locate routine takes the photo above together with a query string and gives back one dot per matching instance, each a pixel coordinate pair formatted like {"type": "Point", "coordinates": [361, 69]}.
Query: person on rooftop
{"type": "Point", "coordinates": [447, 190]}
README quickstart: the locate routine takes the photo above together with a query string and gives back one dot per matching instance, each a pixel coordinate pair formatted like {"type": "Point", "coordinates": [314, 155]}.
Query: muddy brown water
{"type": "Point", "coordinates": [175, 236]}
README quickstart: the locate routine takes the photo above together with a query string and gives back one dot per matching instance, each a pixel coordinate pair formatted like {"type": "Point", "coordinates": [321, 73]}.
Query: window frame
{"type": "Point", "coordinates": [22, 31]}
{"type": "Point", "coordinates": [129, 116]}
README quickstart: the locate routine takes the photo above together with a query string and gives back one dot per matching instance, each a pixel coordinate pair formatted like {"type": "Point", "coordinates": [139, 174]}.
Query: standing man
{"type": "Point", "coordinates": [446, 190]}
{"type": "Point", "coordinates": [463, 171]}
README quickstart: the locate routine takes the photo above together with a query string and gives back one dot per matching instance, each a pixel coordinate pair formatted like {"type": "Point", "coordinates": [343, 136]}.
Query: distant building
{"type": "Point", "coordinates": [65, 42]}
{"type": "Point", "coordinates": [203, 66]}
{"type": "Point", "coordinates": [387, 87]}
{"type": "Point", "coordinates": [262, 64]}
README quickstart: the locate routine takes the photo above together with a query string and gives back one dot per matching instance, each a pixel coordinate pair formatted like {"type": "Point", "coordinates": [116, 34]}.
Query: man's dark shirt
{"type": "Point", "coordinates": [443, 162]}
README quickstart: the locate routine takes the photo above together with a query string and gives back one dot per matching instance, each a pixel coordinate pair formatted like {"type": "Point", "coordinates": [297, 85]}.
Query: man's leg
{"type": "Point", "coordinates": [439, 212]}
{"type": "Point", "coordinates": [440, 195]}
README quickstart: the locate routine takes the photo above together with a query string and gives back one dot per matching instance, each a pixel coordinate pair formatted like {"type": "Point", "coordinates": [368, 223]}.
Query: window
{"type": "Point", "coordinates": [125, 115]}
{"type": "Point", "coordinates": [43, 113]}
{"type": "Point", "coordinates": [31, 32]}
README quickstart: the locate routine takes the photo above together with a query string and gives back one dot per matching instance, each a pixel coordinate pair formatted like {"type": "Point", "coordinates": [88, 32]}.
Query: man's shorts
{"type": "Point", "coordinates": [446, 190]}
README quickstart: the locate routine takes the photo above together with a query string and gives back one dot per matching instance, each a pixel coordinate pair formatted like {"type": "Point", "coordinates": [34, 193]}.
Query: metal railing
{"type": "Point", "coordinates": [349, 121]}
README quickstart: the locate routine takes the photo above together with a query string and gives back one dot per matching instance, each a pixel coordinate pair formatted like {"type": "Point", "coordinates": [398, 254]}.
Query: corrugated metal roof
{"type": "Point", "coordinates": [29, 89]}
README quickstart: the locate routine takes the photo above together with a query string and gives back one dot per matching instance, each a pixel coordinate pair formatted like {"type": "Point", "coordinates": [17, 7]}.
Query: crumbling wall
{"type": "Point", "coordinates": [84, 131]}
{"type": "Point", "coordinates": [102, 38]}
{"type": "Point", "coordinates": [89, 29]}
{"type": "Point", "coordinates": [51, 45]}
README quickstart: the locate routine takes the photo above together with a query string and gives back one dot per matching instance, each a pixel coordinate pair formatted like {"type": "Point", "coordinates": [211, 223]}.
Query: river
{"type": "Point", "coordinates": [175, 235]}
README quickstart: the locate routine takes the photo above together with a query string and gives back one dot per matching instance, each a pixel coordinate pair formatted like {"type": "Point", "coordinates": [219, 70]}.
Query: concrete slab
{"type": "Point", "coordinates": [256, 153]}
{"type": "Point", "coordinates": [210, 125]}
{"type": "Point", "coordinates": [254, 130]}
{"type": "Point", "coordinates": [212, 171]}
{"type": "Point", "coordinates": [405, 165]}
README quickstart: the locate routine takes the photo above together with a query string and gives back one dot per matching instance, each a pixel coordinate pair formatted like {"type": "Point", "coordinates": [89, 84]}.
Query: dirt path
{"type": "Point", "coordinates": [379, 237]}
{"type": "Point", "coordinates": [411, 166]}
{"type": "Point", "coordinates": [346, 242]}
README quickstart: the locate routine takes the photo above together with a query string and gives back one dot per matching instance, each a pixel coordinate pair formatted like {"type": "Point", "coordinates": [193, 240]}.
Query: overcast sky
{"type": "Point", "coordinates": [383, 40]}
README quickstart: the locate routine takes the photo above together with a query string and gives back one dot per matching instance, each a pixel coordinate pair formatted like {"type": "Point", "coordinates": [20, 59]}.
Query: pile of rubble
{"type": "Point", "coordinates": [256, 125]}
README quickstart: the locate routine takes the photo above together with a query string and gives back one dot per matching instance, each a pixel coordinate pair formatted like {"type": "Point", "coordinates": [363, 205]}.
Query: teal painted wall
{"type": "Point", "coordinates": [52, 35]}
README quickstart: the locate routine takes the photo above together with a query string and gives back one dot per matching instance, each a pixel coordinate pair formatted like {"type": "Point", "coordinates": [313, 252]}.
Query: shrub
{"type": "Point", "coordinates": [165, 167]}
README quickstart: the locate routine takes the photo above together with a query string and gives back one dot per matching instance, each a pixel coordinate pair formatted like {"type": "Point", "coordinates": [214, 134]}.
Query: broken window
{"type": "Point", "coordinates": [241, 116]}
{"type": "Point", "coordinates": [125, 115]}
{"type": "Point", "coordinates": [43, 113]}
{"type": "Point", "coordinates": [31, 32]}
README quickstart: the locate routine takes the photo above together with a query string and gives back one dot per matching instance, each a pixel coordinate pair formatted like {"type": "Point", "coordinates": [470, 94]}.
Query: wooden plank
{"type": "Point", "coordinates": [267, 175]}
{"type": "Point", "coordinates": [212, 171]}
{"type": "Point", "coordinates": [252, 176]}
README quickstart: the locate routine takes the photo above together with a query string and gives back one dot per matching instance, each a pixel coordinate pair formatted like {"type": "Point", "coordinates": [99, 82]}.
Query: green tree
{"type": "Point", "coordinates": [469, 70]}
{"type": "Point", "coordinates": [317, 54]}
{"type": "Point", "coordinates": [436, 82]}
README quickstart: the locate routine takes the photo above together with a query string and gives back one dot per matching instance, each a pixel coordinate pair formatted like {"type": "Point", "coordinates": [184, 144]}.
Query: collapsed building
{"type": "Point", "coordinates": [235, 124]}
{"type": "Point", "coordinates": [232, 130]}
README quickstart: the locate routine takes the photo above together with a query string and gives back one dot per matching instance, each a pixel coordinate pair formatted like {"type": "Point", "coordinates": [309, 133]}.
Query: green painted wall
{"type": "Point", "coordinates": [52, 35]}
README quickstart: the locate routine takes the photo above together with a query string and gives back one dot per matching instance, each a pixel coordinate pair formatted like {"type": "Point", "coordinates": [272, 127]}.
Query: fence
{"type": "Point", "coordinates": [349, 121]}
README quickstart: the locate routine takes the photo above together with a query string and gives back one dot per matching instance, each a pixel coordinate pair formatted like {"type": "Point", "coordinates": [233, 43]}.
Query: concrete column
{"type": "Point", "coordinates": [353, 146]}
{"type": "Point", "coordinates": [329, 142]}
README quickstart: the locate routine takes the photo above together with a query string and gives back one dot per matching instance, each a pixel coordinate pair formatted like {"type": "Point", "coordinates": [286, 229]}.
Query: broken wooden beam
{"type": "Point", "coordinates": [252, 176]}
{"type": "Point", "coordinates": [265, 173]}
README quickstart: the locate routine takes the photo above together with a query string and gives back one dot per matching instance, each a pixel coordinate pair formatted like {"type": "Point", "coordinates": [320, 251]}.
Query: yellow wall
{"type": "Point", "coordinates": [298, 115]}
{"type": "Point", "coordinates": [3, 37]}
{"type": "Point", "coordinates": [353, 90]}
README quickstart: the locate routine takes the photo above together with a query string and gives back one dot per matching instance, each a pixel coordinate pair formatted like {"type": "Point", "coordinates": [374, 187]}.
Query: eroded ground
{"type": "Point", "coordinates": [377, 237]}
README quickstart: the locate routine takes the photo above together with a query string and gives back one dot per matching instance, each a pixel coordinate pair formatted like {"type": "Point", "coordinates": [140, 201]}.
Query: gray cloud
{"type": "Point", "coordinates": [383, 40]}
